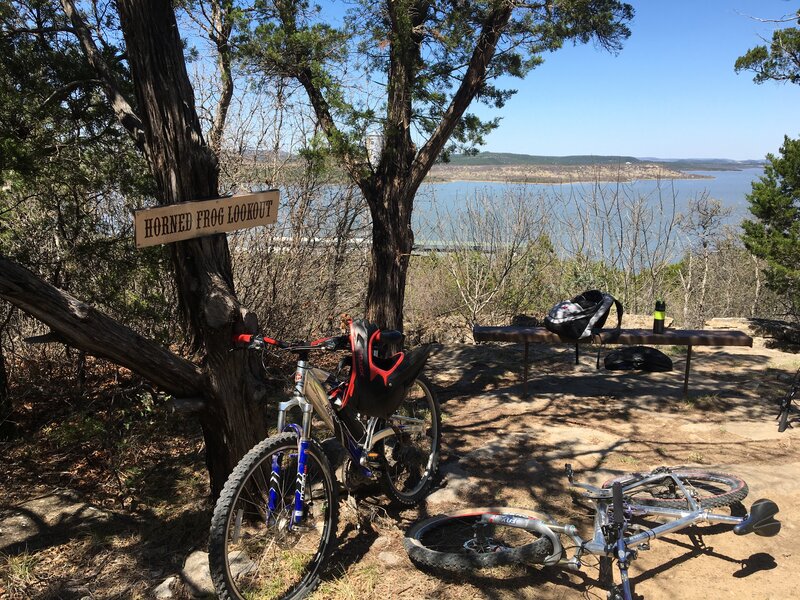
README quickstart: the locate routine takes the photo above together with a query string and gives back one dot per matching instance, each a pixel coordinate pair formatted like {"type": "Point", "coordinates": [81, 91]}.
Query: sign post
{"type": "Point", "coordinates": [189, 220]}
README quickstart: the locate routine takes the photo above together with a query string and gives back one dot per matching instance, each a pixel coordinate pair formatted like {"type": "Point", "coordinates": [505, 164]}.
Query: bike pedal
{"type": "Point", "coordinates": [373, 460]}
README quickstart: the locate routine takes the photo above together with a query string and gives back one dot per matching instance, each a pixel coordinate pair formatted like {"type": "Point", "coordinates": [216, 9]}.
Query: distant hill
{"type": "Point", "coordinates": [707, 164]}
{"type": "Point", "coordinates": [682, 164]}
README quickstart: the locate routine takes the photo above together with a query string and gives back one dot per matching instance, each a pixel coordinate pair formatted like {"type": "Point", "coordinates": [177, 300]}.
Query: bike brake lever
{"type": "Point", "coordinates": [593, 491]}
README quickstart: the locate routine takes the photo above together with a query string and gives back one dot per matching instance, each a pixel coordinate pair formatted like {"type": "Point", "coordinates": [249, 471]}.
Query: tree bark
{"type": "Point", "coordinates": [81, 326]}
{"type": "Point", "coordinates": [391, 187]}
{"type": "Point", "coordinates": [5, 399]}
{"type": "Point", "coordinates": [167, 129]}
{"type": "Point", "coordinates": [221, 26]}
{"type": "Point", "coordinates": [185, 168]}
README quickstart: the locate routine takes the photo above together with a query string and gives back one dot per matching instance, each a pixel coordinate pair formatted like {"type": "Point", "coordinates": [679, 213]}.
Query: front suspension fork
{"type": "Point", "coordinates": [303, 435]}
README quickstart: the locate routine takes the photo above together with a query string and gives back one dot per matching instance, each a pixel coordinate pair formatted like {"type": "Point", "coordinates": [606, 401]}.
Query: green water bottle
{"type": "Point", "coordinates": [658, 316]}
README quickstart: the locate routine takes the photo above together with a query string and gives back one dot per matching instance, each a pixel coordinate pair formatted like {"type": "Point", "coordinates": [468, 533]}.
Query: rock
{"type": "Point", "coordinates": [164, 590]}
{"type": "Point", "coordinates": [381, 543]}
{"type": "Point", "coordinates": [766, 328]}
{"type": "Point", "coordinates": [196, 575]}
{"type": "Point", "coordinates": [390, 559]}
{"type": "Point", "coordinates": [51, 513]}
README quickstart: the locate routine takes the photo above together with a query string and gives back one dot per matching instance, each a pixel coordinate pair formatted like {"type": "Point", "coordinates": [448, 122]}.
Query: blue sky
{"type": "Point", "coordinates": [671, 93]}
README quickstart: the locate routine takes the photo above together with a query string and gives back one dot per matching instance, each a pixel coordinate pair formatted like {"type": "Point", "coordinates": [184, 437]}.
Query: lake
{"type": "Point", "coordinates": [729, 187]}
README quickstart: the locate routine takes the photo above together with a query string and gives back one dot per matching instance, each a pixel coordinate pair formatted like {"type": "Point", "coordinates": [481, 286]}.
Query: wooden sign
{"type": "Point", "coordinates": [188, 220]}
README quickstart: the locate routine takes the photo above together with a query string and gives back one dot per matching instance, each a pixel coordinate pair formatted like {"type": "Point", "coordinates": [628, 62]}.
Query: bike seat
{"type": "Point", "coordinates": [760, 520]}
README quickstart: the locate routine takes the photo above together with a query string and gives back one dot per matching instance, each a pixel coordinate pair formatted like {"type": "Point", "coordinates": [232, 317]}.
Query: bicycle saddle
{"type": "Point", "coordinates": [760, 520]}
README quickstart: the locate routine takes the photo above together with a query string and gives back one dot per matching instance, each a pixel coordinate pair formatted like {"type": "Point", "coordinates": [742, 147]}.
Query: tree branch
{"type": "Point", "coordinates": [122, 108]}
{"type": "Point", "coordinates": [470, 85]}
{"type": "Point", "coordinates": [220, 33]}
{"type": "Point", "coordinates": [12, 31]}
{"type": "Point", "coordinates": [67, 89]}
{"type": "Point", "coordinates": [87, 329]}
{"type": "Point", "coordinates": [335, 137]}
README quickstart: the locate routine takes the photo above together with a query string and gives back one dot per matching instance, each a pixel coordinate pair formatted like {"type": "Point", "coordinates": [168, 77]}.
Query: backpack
{"type": "Point", "coordinates": [642, 358]}
{"type": "Point", "coordinates": [582, 316]}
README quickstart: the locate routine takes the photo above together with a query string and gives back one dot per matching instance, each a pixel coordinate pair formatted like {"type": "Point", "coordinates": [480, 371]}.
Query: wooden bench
{"type": "Point", "coordinates": [627, 337]}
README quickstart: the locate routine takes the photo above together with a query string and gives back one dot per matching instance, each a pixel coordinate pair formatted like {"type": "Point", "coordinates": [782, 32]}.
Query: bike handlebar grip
{"type": "Point", "coordinates": [243, 339]}
{"type": "Point", "coordinates": [616, 493]}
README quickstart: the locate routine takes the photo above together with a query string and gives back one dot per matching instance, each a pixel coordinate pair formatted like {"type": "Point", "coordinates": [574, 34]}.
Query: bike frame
{"type": "Point", "coordinates": [624, 548]}
{"type": "Point", "coordinates": [310, 396]}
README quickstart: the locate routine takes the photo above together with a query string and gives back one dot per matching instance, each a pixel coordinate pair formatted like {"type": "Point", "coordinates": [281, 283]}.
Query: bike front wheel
{"type": "Point", "coordinates": [260, 546]}
{"type": "Point", "coordinates": [707, 488]}
{"type": "Point", "coordinates": [411, 455]}
{"type": "Point", "coordinates": [460, 542]}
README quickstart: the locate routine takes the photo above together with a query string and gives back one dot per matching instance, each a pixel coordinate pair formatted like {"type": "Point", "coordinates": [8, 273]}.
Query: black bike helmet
{"type": "Point", "coordinates": [377, 385]}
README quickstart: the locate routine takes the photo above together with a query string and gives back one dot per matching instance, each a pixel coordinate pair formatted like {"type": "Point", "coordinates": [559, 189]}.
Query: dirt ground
{"type": "Point", "coordinates": [502, 449]}
{"type": "Point", "coordinates": [498, 449]}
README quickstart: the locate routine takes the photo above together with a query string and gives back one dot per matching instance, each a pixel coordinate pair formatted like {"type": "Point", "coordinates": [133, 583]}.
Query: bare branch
{"type": "Point", "coordinates": [86, 328]}
{"type": "Point", "coordinates": [122, 108]}
{"type": "Point", "coordinates": [473, 79]}
{"type": "Point", "coordinates": [35, 31]}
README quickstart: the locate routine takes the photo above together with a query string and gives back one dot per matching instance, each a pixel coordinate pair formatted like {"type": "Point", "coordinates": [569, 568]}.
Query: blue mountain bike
{"type": "Point", "coordinates": [275, 522]}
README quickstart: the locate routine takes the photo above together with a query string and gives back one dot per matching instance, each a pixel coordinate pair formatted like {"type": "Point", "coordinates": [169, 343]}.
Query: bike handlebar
{"type": "Point", "coordinates": [257, 342]}
{"type": "Point", "coordinates": [331, 344]}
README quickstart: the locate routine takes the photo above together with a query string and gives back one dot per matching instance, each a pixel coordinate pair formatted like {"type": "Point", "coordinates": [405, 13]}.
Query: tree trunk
{"type": "Point", "coordinates": [81, 326]}
{"type": "Point", "coordinates": [185, 168]}
{"type": "Point", "coordinates": [5, 399]}
{"type": "Point", "coordinates": [392, 241]}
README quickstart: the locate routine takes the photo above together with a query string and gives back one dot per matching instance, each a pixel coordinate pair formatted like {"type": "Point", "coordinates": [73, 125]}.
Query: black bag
{"type": "Point", "coordinates": [582, 316]}
{"type": "Point", "coordinates": [641, 358]}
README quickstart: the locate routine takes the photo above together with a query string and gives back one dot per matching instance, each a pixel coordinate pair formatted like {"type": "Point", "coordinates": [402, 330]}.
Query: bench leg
{"type": "Point", "coordinates": [686, 374]}
{"type": "Point", "coordinates": [525, 373]}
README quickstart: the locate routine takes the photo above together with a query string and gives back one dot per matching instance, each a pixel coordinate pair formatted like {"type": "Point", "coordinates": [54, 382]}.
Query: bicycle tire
{"type": "Point", "coordinates": [447, 542]}
{"type": "Point", "coordinates": [786, 408]}
{"type": "Point", "coordinates": [251, 551]}
{"type": "Point", "coordinates": [606, 578]}
{"type": "Point", "coordinates": [710, 489]}
{"type": "Point", "coordinates": [411, 461]}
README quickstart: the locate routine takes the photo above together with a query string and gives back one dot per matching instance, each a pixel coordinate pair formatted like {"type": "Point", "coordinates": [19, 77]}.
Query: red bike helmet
{"type": "Point", "coordinates": [378, 385]}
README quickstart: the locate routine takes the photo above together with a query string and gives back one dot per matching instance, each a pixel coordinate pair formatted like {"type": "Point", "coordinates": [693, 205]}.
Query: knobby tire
{"type": "Point", "coordinates": [711, 489]}
{"type": "Point", "coordinates": [253, 554]}
{"type": "Point", "coordinates": [411, 461]}
{"type": "Point", "coordinates": [448, 542]}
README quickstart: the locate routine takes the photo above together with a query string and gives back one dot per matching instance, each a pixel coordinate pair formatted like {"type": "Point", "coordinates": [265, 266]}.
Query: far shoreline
{"type": "Point", "coordinates": [556, 174]}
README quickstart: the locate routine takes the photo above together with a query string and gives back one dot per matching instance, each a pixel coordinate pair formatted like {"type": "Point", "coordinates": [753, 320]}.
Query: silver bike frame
{"type": "Point", "coordinates": [598, 545]}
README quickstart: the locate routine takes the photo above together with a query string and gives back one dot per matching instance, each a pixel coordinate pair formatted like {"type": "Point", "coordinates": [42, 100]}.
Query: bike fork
{"type": "Point", "coordinates": [623, 560]}
{"type": "Point", "coordinates": [303, 435]}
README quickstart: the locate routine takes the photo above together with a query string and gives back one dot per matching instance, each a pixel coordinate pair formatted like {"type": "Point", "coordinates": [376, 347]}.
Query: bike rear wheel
{"type": "Point", "coordinates": [709, 489]}
{"type": "Point", "coordinates": [255, 552]}
{"type": "Point", "coordinates": [411, 459]}
{"type": "Point", "coordinates": [460, 542]}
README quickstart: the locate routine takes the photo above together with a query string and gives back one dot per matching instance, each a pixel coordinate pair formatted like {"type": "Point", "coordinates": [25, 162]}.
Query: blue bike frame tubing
{"type": "Point", "coordinates": [620, 524]}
